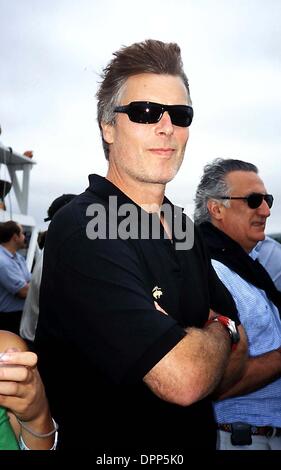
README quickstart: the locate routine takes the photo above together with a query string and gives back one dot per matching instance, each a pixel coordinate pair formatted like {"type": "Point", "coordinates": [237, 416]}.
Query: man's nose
{"type": "Point", "coordinates": [165, 125]}
{"type": "Point", "coordinates": [264, 209]}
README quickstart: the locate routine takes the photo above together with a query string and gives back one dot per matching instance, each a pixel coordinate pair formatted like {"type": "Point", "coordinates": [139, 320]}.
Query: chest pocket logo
{"type": "Point", "coordinates": [157, 292]}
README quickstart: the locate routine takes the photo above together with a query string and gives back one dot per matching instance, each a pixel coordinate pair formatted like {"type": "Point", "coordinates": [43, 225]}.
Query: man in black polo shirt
{"type": "Point", "coordinates": [125, 352]}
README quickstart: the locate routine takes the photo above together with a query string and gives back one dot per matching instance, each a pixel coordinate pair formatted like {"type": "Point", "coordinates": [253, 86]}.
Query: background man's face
{"type": "Point", "coordinates": [240, 222]}
{"type": "Point", "coordinates": [150, 153]}
{"type": "Point", "coordinates": [20, 239]}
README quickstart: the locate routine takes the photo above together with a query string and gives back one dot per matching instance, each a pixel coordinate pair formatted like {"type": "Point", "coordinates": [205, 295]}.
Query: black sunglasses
{"type": "Point", "coordinates": [146, 112]}
{"type": "Point", "coordinates": [254, 200]}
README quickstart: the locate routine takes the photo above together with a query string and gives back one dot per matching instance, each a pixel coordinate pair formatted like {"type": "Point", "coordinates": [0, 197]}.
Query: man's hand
{"type": "Point", "coordinates": [235, 368]}
{"type": "Point", "coordinates": [22, 393]}
{"type": "Point", "coordinates": [21, 388]}
{"type": "Point", "coordinates": [22, 293]}
{"type": "Point", "coordinates": [28, 153]}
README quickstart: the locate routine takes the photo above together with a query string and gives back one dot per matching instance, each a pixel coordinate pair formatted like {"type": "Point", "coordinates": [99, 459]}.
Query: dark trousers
{"type": "Point", "coordinates": [10, 321]}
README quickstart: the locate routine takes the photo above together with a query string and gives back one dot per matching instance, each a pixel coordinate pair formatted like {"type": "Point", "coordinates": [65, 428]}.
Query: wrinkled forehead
{"type": "Point", "coordinates": [242, 183]}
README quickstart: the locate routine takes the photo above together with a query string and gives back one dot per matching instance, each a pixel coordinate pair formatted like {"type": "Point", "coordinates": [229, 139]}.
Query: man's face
{"type": "Point", "coordinates": [150, 153]}
{"type": "Point", "coordinates": [20, 239]}
{"type": "Point", "coordinates": [243, 224]}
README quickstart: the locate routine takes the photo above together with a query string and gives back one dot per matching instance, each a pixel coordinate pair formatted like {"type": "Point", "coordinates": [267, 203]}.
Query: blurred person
{"type": "Point", "coordinates": [30, 313]}
{"type": "Point", "coordinates": [231, 208]}
{"type": "Point", "coordinates": [14, 276]}
{"type": "Point", "coordinates": [147, 376]}
{"type": "Point", "coordinates": [25, 420]}
{"type": "Point", "coordinates": [269, 255]}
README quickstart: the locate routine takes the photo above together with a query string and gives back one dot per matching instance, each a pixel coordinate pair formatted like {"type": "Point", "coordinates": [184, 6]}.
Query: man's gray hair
{"type": "Point", "coordinates": [213, 184]}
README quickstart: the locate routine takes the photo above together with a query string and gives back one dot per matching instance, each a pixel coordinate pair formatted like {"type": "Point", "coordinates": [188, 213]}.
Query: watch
{"type": "Point", "coordinates": [231, 327]}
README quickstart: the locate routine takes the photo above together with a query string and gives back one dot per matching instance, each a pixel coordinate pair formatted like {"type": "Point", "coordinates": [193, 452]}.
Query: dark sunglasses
{"type": "Point", "coordinates": [254, 200]}
{"type": "Point", "coordinates": [146, 112]}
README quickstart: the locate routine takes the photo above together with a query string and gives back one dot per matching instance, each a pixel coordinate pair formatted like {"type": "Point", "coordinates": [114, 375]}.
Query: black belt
{"type": "Point", "coordinates": [267, 431]}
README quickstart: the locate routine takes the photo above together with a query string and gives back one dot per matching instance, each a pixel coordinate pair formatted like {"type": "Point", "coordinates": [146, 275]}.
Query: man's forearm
{"type": "Point", "coordinates": [259, 371]}
{"type": "Point", "coordinates": [218, 351]}
{"type": "Point", "coordinates": [236, 365]}
{"type": "Point", "coordinates": [193, 368]}
{"type": "Point", "coordinates": [22, 293]}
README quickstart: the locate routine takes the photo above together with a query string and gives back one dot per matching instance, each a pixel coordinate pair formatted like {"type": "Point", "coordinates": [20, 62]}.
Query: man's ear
{"type": "Point", "coordinates": [216, 209]}
{"type": "Point", "coordinates": [15, 237]}
{"type": "Point", "coordinates": [108, 132]}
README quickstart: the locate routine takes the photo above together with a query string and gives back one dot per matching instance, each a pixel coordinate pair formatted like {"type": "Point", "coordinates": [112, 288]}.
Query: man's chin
{"type": "Point", "coordinates": [260, 237]}
{"type": "Point", "coordinates": [164, 179]}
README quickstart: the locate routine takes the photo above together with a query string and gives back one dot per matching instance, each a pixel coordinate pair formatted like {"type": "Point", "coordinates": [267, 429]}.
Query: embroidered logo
{"type": "Point", "coordinates": [157, 292]}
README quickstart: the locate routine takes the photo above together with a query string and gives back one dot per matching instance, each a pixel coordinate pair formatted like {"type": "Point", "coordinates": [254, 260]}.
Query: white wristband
{"type": "Point", "coordinates": [37, 434]}
{"type": "Point", "coordinates": [23, 446]}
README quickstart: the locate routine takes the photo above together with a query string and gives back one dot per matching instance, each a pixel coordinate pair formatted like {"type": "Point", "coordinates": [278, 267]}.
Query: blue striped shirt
{"type": "Point", "coordinates": [13, 276]}
{"type": "Point", "coordinates": [262, 323]}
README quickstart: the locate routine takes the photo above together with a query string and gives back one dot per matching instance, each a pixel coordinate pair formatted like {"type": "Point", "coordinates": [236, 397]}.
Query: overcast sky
{"type": "Point", "coordinates": [52, 53]}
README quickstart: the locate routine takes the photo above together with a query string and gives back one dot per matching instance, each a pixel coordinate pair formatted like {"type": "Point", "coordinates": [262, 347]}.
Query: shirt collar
{"type": "Point", "coordinates": [7, 252]}
{"type": "Point", "coordinates": [255, 251]}
{"type": "Point", "coordinates": [104, 188]}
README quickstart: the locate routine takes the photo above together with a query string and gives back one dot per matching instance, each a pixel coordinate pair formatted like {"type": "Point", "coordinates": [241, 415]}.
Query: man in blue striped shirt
{"type": "Point", "coordinates": [231, 207]}
{"type": "Point", "coordinates": [14, 276]}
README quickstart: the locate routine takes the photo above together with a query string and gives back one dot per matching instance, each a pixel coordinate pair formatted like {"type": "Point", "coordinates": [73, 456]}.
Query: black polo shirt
{"type": "Point", "coordinates": [99, 332]}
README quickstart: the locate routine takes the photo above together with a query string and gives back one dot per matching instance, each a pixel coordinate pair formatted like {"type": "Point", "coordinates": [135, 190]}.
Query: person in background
{"type": "Point", "coordinates": [25, 420]}
{"type": "Point", "coordinates": [30, 313]}
{"type": "Point", "coordinates": [231, 209]}
{"type": "Point", "coordinates": [147, 376]}
{"type": "Point", "coordinates": [269, 255]}
{"type": "Point", "coordinates": [14, 276]}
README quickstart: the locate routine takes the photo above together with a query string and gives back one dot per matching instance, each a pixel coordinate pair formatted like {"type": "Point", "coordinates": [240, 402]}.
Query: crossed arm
{"type": "Point", "coordinates": [200, 363]}
{"type": "Point", "coordinates": [22, 293]}
{"type": "Point", "coordinates": [259, 371]}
